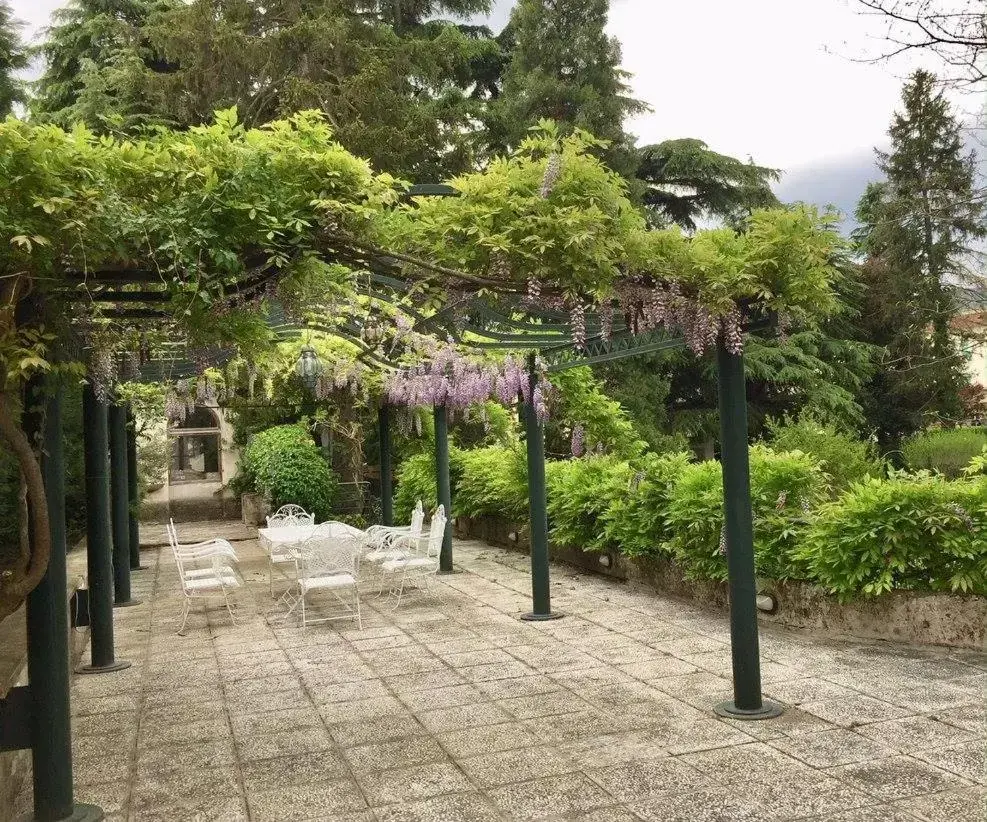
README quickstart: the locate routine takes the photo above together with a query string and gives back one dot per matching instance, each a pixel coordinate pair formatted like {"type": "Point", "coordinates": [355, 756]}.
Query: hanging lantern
{"type": "Point", "coordinates": [309, 367]}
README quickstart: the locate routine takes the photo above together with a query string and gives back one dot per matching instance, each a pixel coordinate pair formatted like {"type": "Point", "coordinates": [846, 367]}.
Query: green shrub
{"type": "Point", "coordinates": [843, 457]}
{"type": "Point", "coordinates": [914, 532]}
{"type": "Point", "coordinates": [783, 487]}
{"type": "Point", "coordinates": [948, 450]}
{"type": "Point", "coordinates": [637, 521]}
{"type": "Point", "coordinates": [417, 481]}
{"type": "Point", "coordinates": [579, 492]}
{"type": "Point", "coordinates": [284, 465]}
{"type": "Point", "coordinates": [494, 481]}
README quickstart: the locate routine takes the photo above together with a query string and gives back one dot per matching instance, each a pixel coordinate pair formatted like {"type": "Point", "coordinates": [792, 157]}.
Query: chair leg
{"type": "Point", "coordinates": [270, 578]}
{"type": "Point", "coordinates": [229, 608]}
{"type": "Point", "coordinates": [356, 596]}
{"type": "Point", "coordinates": [185, 611]}
{"type": "Point", "coordinates": [302, 595]}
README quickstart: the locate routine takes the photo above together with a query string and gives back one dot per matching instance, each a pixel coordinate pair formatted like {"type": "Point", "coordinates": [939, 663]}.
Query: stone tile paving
{"type": "Point", "coordinates": [451, 709]}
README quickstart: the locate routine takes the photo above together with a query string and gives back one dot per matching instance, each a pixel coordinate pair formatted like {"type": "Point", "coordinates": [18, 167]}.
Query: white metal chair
{"type": "Point", "coordinates": [286, 516]}
{"type": "Point", "coordinates": [328, 562]}
{"type": "Point", "coordinates": [377, 536]}
{"type": "Point", "coordinates": [417, 564]}
{"type": "Point", "coordinates": [381, 540]}
{"type": "Point", "coordinates": [214, 581]}
{"type": "Point", "coordinates": [195, 554]}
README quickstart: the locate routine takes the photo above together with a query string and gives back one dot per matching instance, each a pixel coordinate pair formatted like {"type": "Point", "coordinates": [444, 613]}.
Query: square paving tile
{"type": "Point", "coordinates": [959, 805]}
{"type": "Point", "coordinates": [380, 756]}
{"type": "Point", "coordinates": [404, 785]}
{"type": "Point", "coordinates": [830, 748]}
{"type": "Point", "coordinates": [896, 777]}
{"type": "Point", "coordinates": [506, 736]}
{"type": "Point", "coordinates": [916, 733]}
{"type": "Point", "coordinates": [463, 807]}
{"type": "Point", "coordinates": [560, 795]}
{"type": "Point", "coordinates": [309, 801]}
{"type": "Point", "coordinates": [640, 781]}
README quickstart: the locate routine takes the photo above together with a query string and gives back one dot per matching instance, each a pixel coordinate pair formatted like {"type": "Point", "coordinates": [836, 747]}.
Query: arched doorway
{"type": "Point", "coordinates": [196, 448]}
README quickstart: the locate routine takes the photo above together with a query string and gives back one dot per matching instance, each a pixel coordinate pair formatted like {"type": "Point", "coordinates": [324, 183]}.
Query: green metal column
{"type": "Point", "coordinates": [98, 540]}
{"type": "Point", "coordinates": [386, 468]}
{"type": "Point", "coordinates": [120, 507]}
{"type": "Point", "coordinates": [133, 494]}
{"type": "Point", "coordinates": [48, 639]}
{"type": "Point", "coordinates": [443, 486]}
{"type": "Point", "coordinates": [747, 702]}
{"type": "Point", "coordinates": [541, 595]}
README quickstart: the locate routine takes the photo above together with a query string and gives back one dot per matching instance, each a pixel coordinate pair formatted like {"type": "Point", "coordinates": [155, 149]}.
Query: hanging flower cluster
{"type": "Point", "coordinates": [646, 307]}
{"type": "Point", "coordinates": [457, 382]}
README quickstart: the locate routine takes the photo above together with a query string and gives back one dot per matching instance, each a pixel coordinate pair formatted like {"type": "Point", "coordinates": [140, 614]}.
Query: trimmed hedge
{"type": "Point", "coordinates": [920, 532]}
{"type": "Point", "coordinates": [914, 532]}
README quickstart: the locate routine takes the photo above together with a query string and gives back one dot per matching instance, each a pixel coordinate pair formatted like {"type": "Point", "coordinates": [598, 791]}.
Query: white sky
{"type": "Point", "coordinates": [771, 79]}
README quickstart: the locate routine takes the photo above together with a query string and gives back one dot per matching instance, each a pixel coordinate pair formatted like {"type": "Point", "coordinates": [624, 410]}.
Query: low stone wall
{"type": "Point", "coordinates": [15, 766]}
{"type": "Point", "coordinates": [902, 616]}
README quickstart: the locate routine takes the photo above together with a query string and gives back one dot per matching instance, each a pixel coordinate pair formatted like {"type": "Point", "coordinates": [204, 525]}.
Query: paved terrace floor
{"type": "Point", "coordinates": [451, 709]}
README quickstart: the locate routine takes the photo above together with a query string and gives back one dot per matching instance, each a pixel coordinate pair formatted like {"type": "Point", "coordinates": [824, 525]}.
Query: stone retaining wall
{"type": "Point", "coordinates": [902, 616]}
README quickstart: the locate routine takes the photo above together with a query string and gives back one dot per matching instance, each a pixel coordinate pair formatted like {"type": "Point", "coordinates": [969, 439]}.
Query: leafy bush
{"type": "Point", "coordinates": [637, 521]}
{"type": "Point", "coordinates": [494, 482]}
{"type": "Point", "coordinates": [580, 400]}
{"type": "Point", "coordinates": [948, 450]}
{"type": "Point", "coordinates": [783, 487]}
{"type": "Point", "coordinates": [916, 532]}
{"type": "Point", "coordinates": [285, 466]}
{"type": "Point", "coordinates": [843, 457]}
{"type": "Point", "coordinates": [417, 481]}
{"type": "Point", "coordinates": [579, 492]}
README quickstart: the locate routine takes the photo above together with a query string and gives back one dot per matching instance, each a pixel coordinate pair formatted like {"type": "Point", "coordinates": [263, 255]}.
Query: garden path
{"type": "Point", "coordinates": [452, 710]}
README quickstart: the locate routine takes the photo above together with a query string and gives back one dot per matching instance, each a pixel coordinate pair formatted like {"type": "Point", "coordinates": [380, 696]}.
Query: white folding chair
{"type": "Point", "coordinates": [416, 565]}
{"type": "Point", "coordinates": [329, 563]}
{"type": "Point", "coordinates": [377, 536]}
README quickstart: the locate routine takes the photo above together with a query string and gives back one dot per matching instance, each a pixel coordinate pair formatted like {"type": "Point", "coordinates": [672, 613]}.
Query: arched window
{"type": "Point", "coordinates": [196, 448]}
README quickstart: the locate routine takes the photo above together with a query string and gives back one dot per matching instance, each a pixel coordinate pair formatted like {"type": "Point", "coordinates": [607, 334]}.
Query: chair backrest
{"type": "Point", "coordinates": [280, 520]}
{"type": "Point", "coordinates": [325, 555]}
{"type": "Point", "coordinates": [436, 533]}
{"type": "Point", "coordinates": [290, 510]}
{"type": "Point", "coordinates": [417, 522]}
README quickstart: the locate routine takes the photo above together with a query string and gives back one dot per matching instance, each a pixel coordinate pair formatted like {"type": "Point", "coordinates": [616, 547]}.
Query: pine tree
{"type": "Point", "coordinates": [917, 226]}
{"type": "Point", "coordinates": [565, 68]}
{"type": "Point", "coordinates": [13, 58]}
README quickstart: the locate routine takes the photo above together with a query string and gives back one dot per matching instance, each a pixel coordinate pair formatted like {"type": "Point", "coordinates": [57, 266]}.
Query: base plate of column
{"type": "Point", "coordinates": [729, 710]}
{"type": "Point", "coordinates": [130, 603]}
{"type": "Point", "coordinates": [533, 617]}
{"type": "Point", "coordinates": [139, 567]}
{"type": "Point", "coordinates": [104, 669]}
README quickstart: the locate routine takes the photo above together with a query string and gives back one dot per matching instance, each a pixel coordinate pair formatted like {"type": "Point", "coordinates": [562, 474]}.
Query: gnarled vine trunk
{"type": "Point", "coordinates": [18, 581]}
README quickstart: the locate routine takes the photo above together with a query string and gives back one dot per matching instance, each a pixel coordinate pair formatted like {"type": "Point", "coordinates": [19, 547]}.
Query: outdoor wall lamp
{"type": "Point", "coordinates": [309, 367]}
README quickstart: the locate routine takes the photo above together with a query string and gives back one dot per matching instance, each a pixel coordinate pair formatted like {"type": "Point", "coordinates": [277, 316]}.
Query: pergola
{"type": "Point", "coordinates": [38, 715]}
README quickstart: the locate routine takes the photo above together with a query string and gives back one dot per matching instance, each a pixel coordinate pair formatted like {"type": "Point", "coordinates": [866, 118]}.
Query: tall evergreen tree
{"type": "Point", "coordinates": [13, 58]}
{"type": "Point", "coordinates": [916, 230]}
{"type": "Point", "coordinates": [400, 85]}
{"type": "Point", "coordinates": [93, 53]}
{"type": "Point", "coordinates": [564, 67]}
{"type": "Point", "coordinates": [685, 181]}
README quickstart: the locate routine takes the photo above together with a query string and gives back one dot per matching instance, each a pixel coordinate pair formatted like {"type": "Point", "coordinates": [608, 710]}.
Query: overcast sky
{"type": "Point", "coordinates": [776, 80]}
